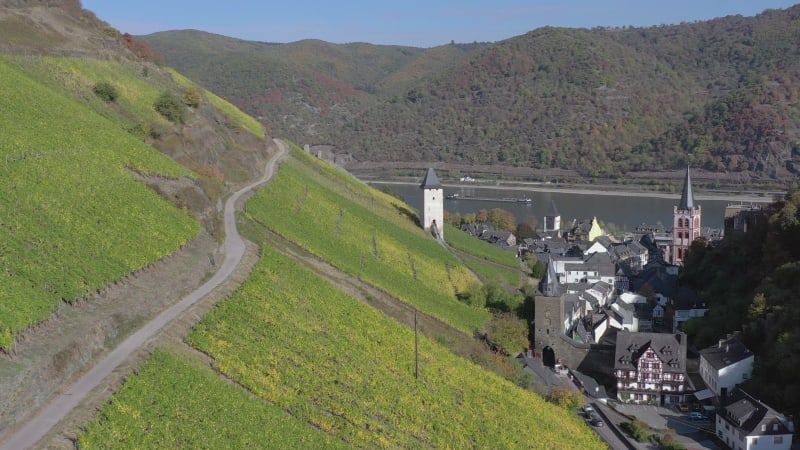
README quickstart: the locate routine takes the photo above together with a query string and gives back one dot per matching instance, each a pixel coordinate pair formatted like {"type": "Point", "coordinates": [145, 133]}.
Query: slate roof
{"type": "Point", "coordinates": [687, 199]}
{"type": "Point", "coordinates": [431, 181]}
{"type": "Point", "coordinates": [549, 284]}
{"type": "Point", "coordinates": [670, 349]}
{"type": "Point", "coordinates": [751, 416]}
{"type": "Point", "coordinates": [726, 353]}
{"type": "Point", "coordinates": [626, 250]}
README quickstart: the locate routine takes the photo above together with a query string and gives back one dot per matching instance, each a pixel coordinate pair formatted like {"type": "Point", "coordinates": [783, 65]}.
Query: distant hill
{"type": "Point", "coordinates": [603, 102]}
{"type": "Point", "coordinates": [303, 88]}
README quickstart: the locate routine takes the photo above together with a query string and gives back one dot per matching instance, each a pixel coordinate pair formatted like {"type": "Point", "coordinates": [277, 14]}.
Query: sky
{"type": "Point", "coordinates": [416, 23]}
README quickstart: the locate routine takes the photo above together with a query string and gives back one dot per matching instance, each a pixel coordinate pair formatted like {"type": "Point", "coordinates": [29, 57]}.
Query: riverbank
{"type": "Point", "coordinates": [743, 197]}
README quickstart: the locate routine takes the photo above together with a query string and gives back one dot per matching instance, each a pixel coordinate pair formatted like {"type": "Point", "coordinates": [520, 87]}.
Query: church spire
{"type": "Point", "coordinates": [687, 199]}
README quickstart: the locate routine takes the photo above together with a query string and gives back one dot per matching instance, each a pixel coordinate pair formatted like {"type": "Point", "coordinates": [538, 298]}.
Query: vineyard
{"type": "Point", "coordinates": [176, 402]}
{"type": "Point", "coordinates": [348, 370]}
{"type": "Point", "coordinates": [137, 93]}
{"type": "Point", "coordinates": [366, 233]}
{"type": "Point", "coordinates": [73, 216]}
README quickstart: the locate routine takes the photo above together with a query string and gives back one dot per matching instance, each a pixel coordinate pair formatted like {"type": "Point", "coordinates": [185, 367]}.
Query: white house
{"type": "Point", "coordinates": [725, 365]}
{"type": "Point", "coordinates": [631, 312]}
{"type": "Point", "coordinates": [745, 423]}
{"type": "Point", "coordinates": [594, 268]}
{"type": "Point", "coordinates": [598, 294]}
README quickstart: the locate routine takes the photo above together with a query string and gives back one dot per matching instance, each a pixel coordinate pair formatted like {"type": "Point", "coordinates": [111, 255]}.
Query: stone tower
{"type": "Point", "coordinates": [552, 220]}
{"type": "Point", "coordinates": [685, 222]}
{"type": "Point", "coordinates": [433, 204]}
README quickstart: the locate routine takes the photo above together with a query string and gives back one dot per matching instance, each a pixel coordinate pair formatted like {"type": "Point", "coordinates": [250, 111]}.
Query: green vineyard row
{"type": "Point", "coordinates": [176, 402]}
{"type": "Point", "coordinates": [73, 215]}
{"type": "Point", "coordinates": [348, 370]}
{"type": "Point", "coordinates": [366, 233]}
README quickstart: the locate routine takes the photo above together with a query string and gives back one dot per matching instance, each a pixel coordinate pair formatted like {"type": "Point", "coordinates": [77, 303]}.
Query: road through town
{"type": "Point", "coordinates": [35, 428]}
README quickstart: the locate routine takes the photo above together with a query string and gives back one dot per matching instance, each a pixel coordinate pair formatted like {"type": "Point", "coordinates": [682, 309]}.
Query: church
{"type": "Point", "coordinates": [685, 224]}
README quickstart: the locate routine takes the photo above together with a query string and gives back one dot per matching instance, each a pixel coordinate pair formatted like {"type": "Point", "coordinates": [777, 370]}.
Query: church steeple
{"type": "Point", "coordinates": [687, 199]}
{"type": "Point", "coordinates": [685, 223]}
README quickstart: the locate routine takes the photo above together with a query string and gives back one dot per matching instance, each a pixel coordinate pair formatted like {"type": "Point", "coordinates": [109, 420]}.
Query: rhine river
{"type": "Point", "coordinates": [625, 210]}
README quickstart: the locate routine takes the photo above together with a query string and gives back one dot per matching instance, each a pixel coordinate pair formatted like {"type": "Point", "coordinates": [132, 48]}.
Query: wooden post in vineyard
{"type": "Point", "coordinates": [416, 347]}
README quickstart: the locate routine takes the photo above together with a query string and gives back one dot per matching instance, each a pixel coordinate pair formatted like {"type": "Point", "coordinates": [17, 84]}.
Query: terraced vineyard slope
{"type": "Point", "coordinates": [366, 233]}
{"type": "Point", "coordinates": [339, 366]}
{"type": "Point", "coordinates": [73, 214]}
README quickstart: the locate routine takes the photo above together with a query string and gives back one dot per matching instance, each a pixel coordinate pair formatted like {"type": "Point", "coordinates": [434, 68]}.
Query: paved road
{"type": "Point", "coordinates": [36, 427]}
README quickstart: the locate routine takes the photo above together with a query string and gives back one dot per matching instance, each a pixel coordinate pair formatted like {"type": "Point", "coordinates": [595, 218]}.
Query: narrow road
{"type": "Point", "coordinates": [37, 426]}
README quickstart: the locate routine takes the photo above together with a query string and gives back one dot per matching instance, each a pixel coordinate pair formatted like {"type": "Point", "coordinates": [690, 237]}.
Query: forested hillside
{"type": "Point", "coordinates": [719, 94]}
{"type": "Point", "coordinates": [750, 282]}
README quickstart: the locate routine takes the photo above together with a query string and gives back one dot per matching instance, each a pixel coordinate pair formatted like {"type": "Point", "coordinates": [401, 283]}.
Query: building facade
{"type": "Point", "coordinates": [745, 423]}
{"type": "Point", "coordinates": [650, 367]}
{"type": "Point", "coordinates": [726, 365]}
{"type": "Point", "coordinates": [686, 219]}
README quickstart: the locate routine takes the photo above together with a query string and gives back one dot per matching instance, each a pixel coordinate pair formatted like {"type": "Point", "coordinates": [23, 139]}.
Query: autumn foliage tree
{"type": "Point", "coordinates": [141, 49]}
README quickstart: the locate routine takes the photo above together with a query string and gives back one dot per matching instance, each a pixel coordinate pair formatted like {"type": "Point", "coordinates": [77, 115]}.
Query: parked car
{"type": "Point", "coordinates": [696, 416]}
{"type": "Point", "coordinates": [597, 422]}
{"type": "Point", "coordinates": [588, 409]}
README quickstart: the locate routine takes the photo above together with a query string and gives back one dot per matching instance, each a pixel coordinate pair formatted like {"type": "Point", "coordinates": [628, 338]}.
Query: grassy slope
{"type": "Point", "coordinates": [73, 217]}
{"type": "Point", "coordinates": [366, 233]}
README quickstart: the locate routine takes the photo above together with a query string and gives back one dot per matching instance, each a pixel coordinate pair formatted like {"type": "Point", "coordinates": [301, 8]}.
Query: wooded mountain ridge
{"type": "Point", "coordinates": [609, 102]}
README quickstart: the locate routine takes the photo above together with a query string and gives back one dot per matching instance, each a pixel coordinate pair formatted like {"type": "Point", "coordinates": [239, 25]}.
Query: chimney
{"type": "Point", "coordinates": [721, 341]}
{"type": "Point", "coordinates": [727, 348]}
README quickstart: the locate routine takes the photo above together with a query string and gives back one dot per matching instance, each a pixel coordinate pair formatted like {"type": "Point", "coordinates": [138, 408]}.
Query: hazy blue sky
{"type": "Point", "coordinates": [410, 22]}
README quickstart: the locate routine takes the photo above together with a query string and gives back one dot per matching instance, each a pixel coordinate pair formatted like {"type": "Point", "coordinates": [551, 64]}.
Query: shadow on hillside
{"type": "Point", "coordinates": [410, 215]}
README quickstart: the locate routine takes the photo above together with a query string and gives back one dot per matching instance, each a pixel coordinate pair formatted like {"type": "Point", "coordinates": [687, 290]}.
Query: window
{"type": "Point", "coordinates": [777, 440]}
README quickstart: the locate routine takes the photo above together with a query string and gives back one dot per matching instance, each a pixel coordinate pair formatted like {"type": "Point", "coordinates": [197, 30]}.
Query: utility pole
{"type": "Point", "coordinates": [416, 346]}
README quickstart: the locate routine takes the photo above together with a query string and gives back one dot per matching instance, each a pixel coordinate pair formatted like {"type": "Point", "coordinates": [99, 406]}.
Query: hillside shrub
{"type": "Point", "coordinates": [106, 91]}
{"type": "Point", "coordinates": [508, 332]}
{"type": "Point", "coordinates": [171, 107]}
{"type": "Point", "coordinates": [566, 398]}
{"type": "Point", "coordinates": [192, 98]}
{"type": "Point", "coordinates": [636, 429]}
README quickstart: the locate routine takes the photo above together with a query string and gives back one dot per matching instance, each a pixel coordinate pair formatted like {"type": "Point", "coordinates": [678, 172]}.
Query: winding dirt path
{"type": "Point", "coordinates": [38, 426]}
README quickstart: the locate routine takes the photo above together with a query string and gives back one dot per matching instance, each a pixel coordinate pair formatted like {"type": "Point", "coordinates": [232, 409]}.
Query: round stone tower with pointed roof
{"type": "Point", "coordinates": [433, 204]}
{"type": "Point", "coordinates": [685, 222]}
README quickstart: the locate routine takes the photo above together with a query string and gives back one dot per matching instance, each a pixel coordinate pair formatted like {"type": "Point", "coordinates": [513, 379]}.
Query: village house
{"type": "Point", "coordinates": [683, 305]}
{"type": "Point", "coordinates": [631, 312]}
{"type": "Point", "coordinates": [486, 232]}
{"type": "Point", "coordinates": [584, 230]}
{"type": "Point", "coordinates": [726, 365]}
{"type": "Point", "coordinates": [585, 270]}
{"type": "Point", "coordinates": [650, 367]}
{"type": "Point", "coordinates": [743, 422]}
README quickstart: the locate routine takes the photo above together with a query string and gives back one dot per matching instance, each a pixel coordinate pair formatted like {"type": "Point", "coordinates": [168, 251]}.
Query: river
{"type": "Point", "coordinates": [626, 211]}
